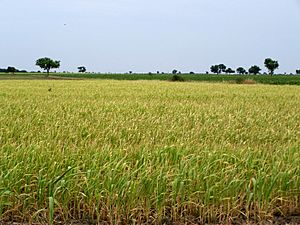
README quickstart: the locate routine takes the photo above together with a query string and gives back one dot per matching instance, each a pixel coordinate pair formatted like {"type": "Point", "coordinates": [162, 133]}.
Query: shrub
{"type": "Point", "coordinates": [177, 78]}
{"type": "Point", "coordinates": [239, 80]}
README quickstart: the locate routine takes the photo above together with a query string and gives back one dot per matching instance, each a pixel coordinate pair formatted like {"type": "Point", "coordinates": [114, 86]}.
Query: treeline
{"type": "Point", "coordinates": [271, 65]}
{"type": "Point", "coordinates": [12, 70]}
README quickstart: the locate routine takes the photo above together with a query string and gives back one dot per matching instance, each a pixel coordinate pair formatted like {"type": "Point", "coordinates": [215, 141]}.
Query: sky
{"type": "Point", "coordinates": [150, 35]}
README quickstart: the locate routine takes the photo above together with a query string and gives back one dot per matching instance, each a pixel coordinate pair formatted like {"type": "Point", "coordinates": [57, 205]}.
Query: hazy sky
{"type": "Point", "coordinates": [150, 35]}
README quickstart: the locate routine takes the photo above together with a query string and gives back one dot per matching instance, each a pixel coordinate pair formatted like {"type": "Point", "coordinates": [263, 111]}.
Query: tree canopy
{"type": "Point", "coordinates": [241, 70]}
{"type": "Point", "coordinates": [254, 69]}
{"type": "Point", "coordinates": [81, 69]}
{"type": "Point", "coordinates": [218, 68]}
{"type": "Point", "coordinates": [229, 70]}
{"type": "Point", "coordinates": [11, 69]}
{"type": "Point", "coordinates": [47, 64]}
{"type": "Point", "coordinates": [271, 65]}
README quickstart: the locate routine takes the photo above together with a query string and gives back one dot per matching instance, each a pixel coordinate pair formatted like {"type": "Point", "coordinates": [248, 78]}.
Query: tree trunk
{"type": "Point", "coordinates": [47, 73]}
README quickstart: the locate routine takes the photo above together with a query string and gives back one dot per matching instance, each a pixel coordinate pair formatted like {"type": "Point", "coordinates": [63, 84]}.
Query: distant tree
{"type": "Point", "coordinates": [218, 68]}
{"type": "Point", "coordinates": [11, 69]}
{"type": "Point", "coordinates": [254, 70]}
{"type": "Point", "coordinates": [81, 69]}
{"type": "Point", "coordinates": [157, 72]}
{"type": "Point", "coordinates": [47, 64]}
{"type": "Point", "coordinates": [271, 65]}
{"type": "Point", "coordinates": [192, 72]}
{"type": "Point", "coordinates": [2, 70]}
{"type": "Point", "coordinates": [298, 72]}
{"type": "Point", "coordinates": [174, 71]}
{"type": "Point", "coordinates": [215, 69]}
{"type": "Point", "coordinates": [222, 68]}
{"type": "Point", "coordinates": [241, 70]}
{"type": "Point", "coordinates": [229, 70]}
{"type": "Point", "coordinates": [130, 72]}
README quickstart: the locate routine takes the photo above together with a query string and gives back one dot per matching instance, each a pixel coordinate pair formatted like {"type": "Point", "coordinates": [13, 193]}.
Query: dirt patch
{"type": "Point", "coordinates": [61, 78]}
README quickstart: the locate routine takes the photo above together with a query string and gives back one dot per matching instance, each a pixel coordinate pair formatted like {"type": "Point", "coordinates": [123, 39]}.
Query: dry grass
{"type": "Point", "coordinates": [249, 81]}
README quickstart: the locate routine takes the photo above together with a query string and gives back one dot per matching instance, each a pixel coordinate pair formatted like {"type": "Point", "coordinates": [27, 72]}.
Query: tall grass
{"type": "Point", "coordinates": [148, 151]}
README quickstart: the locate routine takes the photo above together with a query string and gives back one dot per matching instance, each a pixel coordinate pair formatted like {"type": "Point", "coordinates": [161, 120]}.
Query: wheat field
{"type": "Point", "coordinates": [133, 152]}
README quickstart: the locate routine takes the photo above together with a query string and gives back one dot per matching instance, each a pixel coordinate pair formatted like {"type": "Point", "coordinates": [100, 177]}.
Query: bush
{"type": "Point", "coordinates": [239, 80]}
{"type": "Point", "coordinates": [177, 78]}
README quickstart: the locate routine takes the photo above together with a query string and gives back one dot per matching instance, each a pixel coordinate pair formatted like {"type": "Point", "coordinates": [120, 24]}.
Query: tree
{"type": "Point", "coordinates": [81, 69]}
{"type": "Point", "coordinates": [241, 70]}
{"type": "Point", "coordinates": [11, 69]}
{"type": "Point", "coordinates": [218, 68]}
{"type": "Point", "coordinates": [271, 65]}
{"type": "Point", "coordinates": [214, 69]}
{"type": "Point", "coordinates": [229, 70]}
{"type": "Point", "coordinates": [174, 71]}
{"type": "Point", "coordinates": [298, 72]}
{"type": "Point", "coordinates": [222, 68]}
{"type": "Point", "coordinates": [254, 70]}
{"type": "Point", "coordinates": [47, 64]}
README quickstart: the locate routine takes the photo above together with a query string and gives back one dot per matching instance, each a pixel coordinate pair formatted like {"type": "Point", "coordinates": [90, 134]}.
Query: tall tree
{"type": "Point", "coordinates": [47, 64]}
{"type": "Point", "coordinates": [271, 65]}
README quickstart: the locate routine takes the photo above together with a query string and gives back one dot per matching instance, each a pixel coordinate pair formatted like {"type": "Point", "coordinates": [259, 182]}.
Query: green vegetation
{"type": "Point", "coordinates": [262, 79]}
{"type": "Point", "coordinates": [130, 152]}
